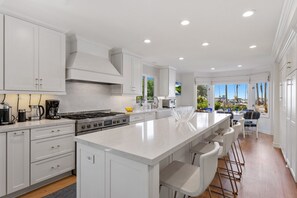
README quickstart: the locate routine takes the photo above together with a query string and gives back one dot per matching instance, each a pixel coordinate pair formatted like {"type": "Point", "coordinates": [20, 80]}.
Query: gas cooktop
{"type": "Point", "coordinates": [90, 121]}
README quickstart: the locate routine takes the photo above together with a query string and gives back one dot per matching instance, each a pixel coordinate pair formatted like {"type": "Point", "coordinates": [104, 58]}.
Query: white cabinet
{"type": "Point", "coordinates": [167, 82]}
{"type": "Point", "coordinates": [21, 55]}
{"type": "Point", "coordinates": [137, 118]}
{"type": "Point", "coordinates": [18, 160]}
{"type": "Point", "coordinates": [51, 60]}
{"type": "Point", "coordinates": [52, 152]}
{"type": "Point", "coordinates": [130, 66]}
{"type": "Point", "coordinates": [34, 57]}
{"type": "Point", "coordinates": [52, 167]}
{"type": "Point", "coordinates": [1, 53]}
{"type": "Point", "coordinates": [291, 58]}
{"type": "Point", "coordinates": [90, 172]}
{"type": "Point", "coordinates": [2, 164]}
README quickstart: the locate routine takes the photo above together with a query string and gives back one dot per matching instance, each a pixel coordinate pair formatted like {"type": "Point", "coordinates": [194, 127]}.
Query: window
{"type": "Point", "coordinates": [231, 96]}
{"type": "Point", "coordinates": [148, 89]}
{"type": "Point", "coordinates": [202, 101]}
{"type": "Point", "coordinates": [261, 98]}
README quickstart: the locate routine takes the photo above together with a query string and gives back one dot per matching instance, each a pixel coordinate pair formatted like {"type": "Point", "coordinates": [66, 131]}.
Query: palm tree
{"type": "Point", "coordinates": [265, 97]}
{"type": "Point", "coordinates": [257, 93]}
{"type": "Point", "coordinates": [226, 93]}
{"type": "Point", "coordinates": [237, 92]}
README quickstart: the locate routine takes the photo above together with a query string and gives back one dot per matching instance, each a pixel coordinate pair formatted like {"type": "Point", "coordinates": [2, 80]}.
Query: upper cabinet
{"type": "Point", "coordinates": [290, 58]}
{"type": "Point", "coordinates": [167, 82]}
{"type": "Point", "coordinates": [51, 60]}
{"type": "Point", "coordinates": [34, 57]}
{"type": "Point", "coordinates": [1, 52]}
{"type": "Point", "coordinates": [130, 66]}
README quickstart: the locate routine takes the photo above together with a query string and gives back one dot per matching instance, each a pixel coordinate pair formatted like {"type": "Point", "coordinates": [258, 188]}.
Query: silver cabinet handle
{"type": "Point", "coordinates": [58, 130]}
{"type": "Point", "coordinates": [58, 166]}
{"type": "Point", "coordinates": [52, 167]}
{"type": "Point", "coordinates": [52, 147]}
{"type": "Point", "coordinates": [58, 146]}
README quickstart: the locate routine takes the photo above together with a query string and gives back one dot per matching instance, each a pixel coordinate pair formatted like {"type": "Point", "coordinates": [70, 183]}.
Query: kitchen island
{"type": "Point", "coordinates": [126, 161]}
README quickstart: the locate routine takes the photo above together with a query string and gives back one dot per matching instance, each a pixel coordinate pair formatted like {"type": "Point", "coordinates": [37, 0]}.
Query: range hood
{"type": "Point", "coordinates": [89, 62]}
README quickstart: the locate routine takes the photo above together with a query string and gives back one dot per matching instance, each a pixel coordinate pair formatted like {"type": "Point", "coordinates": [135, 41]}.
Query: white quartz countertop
{"type": "Point", "coordinates": [34, 124]}
{"type": "Point", "coordinates": [150, 142]}
{"type": "Point", "coordinates": [147, 111]}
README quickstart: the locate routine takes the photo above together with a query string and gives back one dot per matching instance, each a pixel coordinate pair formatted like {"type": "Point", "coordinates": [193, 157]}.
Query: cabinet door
{"type": "Point", "coordinates": [293, 124]}
{"type": "Point", "coordinates": [288, 122]}
{"type": "Point", "coordinates": [164, 82]}
{"type": "Point", "coordinates": [2, 164]}
{"type": "Point", "coordinates": [136, 76]}
{"type": "Point", "coordinates": [51, 60]}
{"type": "Point", "coordinates": [1, 54]}
{"type": "Point", "coordinates": [127, 73]}
{"type": "Point", "coordinates": [17, 160]}
{"type": "Point", "coordinates": [21, 55]}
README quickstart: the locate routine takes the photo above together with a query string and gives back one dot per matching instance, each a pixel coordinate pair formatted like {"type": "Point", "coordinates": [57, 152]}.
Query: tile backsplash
{"type": "Point", "coordinates": [81, 96]}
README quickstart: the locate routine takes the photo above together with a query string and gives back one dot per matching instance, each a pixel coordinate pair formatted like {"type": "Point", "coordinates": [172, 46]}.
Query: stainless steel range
{"type": "Point", "coordinates": [92, 121]}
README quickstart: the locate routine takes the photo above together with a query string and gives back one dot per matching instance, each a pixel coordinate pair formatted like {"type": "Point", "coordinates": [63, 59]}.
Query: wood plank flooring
{"type": "Point", "coordinates": [264, 176]}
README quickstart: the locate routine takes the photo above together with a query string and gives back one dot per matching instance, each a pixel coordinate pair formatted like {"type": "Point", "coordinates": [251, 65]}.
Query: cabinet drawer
{"type": "Point", "coordinates": [137, 118]}
{"type": "Point", "coordinates": [50, 147]}
{"type": "Point", "coordinates": [150, 116]}
{"type": "Point", "coordinates": [41, 133]}
{"type": "Point", "coordinates": [46, 169]}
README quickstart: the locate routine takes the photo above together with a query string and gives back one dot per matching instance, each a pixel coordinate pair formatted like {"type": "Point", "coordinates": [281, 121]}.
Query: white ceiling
{"type": "Point", "coordinates": [126, 23]}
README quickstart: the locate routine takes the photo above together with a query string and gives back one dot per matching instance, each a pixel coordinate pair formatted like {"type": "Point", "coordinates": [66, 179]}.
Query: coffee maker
{"type": "Point", "coordinates": [52, 109]}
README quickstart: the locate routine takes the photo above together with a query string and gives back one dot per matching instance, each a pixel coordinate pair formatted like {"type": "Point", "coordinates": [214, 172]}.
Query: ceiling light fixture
{"type": "Point", "coordinates": [212, 68]}
{"type": "Point", "coordinates": [185, 22]}
{"type": "Point", "coordinates": [253, 46]}
{"type": "Point", "coordinates": [147, 41]}
{"type": "Point", "coordinates": [181, 58]}
{"type": "Point", "coordinates": [239, 65]}
{"type": "Point", "coordinates": [248, 13]}
{"type": "Point", "coordinates": [205, 44]}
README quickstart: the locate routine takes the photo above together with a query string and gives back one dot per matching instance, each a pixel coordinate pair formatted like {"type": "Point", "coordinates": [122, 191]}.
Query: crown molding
{"type": "Point", "coordinates": [286, 30]}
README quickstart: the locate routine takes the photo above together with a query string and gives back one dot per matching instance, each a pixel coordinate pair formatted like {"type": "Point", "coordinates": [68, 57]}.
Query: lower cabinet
{"type": "Point", "coordinates": [52, 167]}
{"type": "Point", "coordinates": [2, 164]}
{"type": "Point", "coordinates": [18, 160]}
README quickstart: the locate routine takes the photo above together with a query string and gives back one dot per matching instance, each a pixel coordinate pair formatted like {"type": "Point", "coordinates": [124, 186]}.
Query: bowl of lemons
{"type": "Point", "coordinates": [129, 109]}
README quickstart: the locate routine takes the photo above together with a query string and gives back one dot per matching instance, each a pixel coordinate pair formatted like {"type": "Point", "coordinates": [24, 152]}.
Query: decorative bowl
{"type": "Point", "coordinates": [183, 114]}
{"type": "Point", "coordinates": [129, 109]}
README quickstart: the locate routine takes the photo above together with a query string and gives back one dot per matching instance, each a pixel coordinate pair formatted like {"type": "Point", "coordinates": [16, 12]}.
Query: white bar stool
{"type": "Point", "coordinates": [227, 140]}
{"type": "Point", "coordinates": [188, 179]}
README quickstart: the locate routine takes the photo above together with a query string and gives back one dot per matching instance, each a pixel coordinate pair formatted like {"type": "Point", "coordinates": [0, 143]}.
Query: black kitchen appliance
{"type": "Point", "coordinates": [52, 109]}
{"type": "Point", "coordinates": [5, 114]}
{"type": "Point", "coordinates": [22, 115]}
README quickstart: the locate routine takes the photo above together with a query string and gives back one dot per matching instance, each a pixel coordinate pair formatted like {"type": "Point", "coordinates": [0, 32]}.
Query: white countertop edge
{"type": "Point", "coordinates": [34, 124]}
{"type": "Point", "coordinates": [144, 160]}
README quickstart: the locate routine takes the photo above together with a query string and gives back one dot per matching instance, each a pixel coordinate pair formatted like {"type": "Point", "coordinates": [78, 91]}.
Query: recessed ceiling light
{"type": "Point", "coordinates": [181, 58]}
{"type": "Point", "coordinates": [253, 46]}
{"type": "Point", "coordinates": [205, 44]}
{"type": "Point", "coordinates": [239, 65]}
{"type": "Point", "coordinates": [147, 41]}
{"type": "Point", "coordinates": [248, 13]}
{"type": "Point", "coordinates": [185, 22]}
{"type": "Point", "coordinates": [212, 68]}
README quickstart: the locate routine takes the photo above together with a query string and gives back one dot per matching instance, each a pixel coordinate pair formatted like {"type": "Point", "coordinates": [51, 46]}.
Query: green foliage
{"type": "Point", "coordinates": [218, 105]}
{"type": "Point", "coordinates": [202, 90]}
{"type": "Point", "coordinates": [202, 102]}
{"type": "Point", "coordinates": [150, 88]}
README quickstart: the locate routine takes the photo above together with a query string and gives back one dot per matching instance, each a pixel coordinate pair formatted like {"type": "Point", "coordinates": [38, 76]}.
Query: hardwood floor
{"type": "Point", "coordinates": [264, 176]}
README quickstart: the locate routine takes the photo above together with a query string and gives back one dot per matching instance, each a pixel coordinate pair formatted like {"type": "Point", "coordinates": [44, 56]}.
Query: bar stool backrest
{"type": "Point", "coordinates": [237, 129]}
{"type": "Point", "coordinates": [208, 167]}
{"type": "Point", "coordinates": [228, 140]}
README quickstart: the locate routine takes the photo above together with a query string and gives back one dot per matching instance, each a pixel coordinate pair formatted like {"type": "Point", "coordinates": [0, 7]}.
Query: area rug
{"type": "Point", "coordinates": [68, 192]}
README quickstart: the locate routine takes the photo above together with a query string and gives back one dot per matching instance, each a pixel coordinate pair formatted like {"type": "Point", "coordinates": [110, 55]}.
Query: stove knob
{"type": "Point", "coordinates": [114, 122]}
{"type": "Point", "coordinates": [124, 120]}
{"type": "Point", "coordinates": [88, 126]}
{"type": "Point", "coordinates": [100, 124]}
{"type": "Point", "coordinates": [118, 121]}
{"type": "Point", "coordinates": [83, 126]}
{"type": "Point", "coordinates": [95, 125]}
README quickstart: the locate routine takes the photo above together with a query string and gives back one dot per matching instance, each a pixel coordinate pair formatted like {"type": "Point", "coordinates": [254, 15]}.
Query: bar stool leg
{"type": "Point", "coordinates": [235, 184]}
{"type": "Point", "coordinates": [224, 158]}
{"type": "Point", "coordinates": [221, 184]}
{"type": "Point", "coordinates": [237, 162]}
{"type": "Point", "coordinates": [241, 152]}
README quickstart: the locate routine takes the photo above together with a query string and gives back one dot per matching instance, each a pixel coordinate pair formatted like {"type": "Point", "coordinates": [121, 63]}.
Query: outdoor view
{"type": "Point", "coordinates": [231, 96]}
{"type": "Point", "coordinates": [261, 97]}
{"type": "Point", "coordinates": [202, 101]}
{"type": "Point", "coordinates": [148, 86]}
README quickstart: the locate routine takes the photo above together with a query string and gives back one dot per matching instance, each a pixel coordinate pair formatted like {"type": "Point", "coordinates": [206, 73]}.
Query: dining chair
{"type": "Point", "coordinates": [251, 120]}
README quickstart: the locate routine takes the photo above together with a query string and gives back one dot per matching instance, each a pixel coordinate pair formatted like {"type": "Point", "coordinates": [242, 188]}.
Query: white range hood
{"type": "Point", "coordinates": [90, 62]}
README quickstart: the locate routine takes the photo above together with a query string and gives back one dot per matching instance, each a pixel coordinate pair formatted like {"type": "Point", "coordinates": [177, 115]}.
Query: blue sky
{"type": "Point", "coordinates": [242, 91]}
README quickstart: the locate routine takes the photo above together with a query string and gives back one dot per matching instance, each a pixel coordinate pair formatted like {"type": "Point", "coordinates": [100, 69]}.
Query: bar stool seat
{"type": "Point", "coordinates": [181, 177]}
{"type": "Point", "coordinates": [188, 179]}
